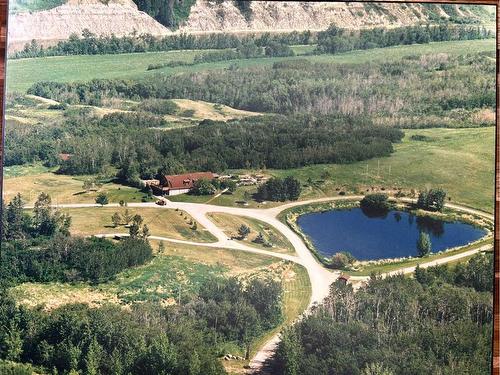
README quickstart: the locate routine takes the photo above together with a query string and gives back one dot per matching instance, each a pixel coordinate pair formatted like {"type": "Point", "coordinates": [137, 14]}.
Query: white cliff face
{"type": "Point", "coordinates": [121, 17]}
{"type": "Point", "coordinates": [284, 15]}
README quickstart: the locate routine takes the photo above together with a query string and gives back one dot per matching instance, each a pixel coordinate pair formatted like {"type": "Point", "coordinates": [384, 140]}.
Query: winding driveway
{"type": "Point", "coordinates": [320, 277]}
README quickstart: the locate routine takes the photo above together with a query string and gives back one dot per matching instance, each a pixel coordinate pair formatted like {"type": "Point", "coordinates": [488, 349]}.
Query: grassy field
{"type": "Point", "coordinates": [231, 224]}
{"type": "Point", "coordinates": [22, 73]}
{"type": "Point", "coordinates": [62, 188]}
{"type": "Point", "coordinates": [161, 222]}
{"type": "Point", "coordinates": [461, 161]}
{"type": "Point", "coordinates": [179, 266]}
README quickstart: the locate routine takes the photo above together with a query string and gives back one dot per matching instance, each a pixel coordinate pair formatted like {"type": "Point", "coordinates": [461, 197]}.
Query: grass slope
{"type": "Point", "coordinates": [461, 161]}
{"type": "Point", "coordinates": [232, 223]}
{"type": "Point", "coordinates": [161, 222]}
{"type": "Point", "coordinates": [21, 74]}
{"type": "Point", "coordinates": [62, 188]}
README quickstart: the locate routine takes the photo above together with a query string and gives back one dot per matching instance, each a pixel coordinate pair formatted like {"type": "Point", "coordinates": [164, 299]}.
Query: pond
{"type": "Point", "coordinates": [379, 236]}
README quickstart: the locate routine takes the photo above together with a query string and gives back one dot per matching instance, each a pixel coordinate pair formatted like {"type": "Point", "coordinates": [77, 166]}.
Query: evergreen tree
{"type": "Point", "coordinates": [116, 219]}
{"type": "Point", "coordinates": [102, 199]}
{"type": "Point", "coordinates": [424, 246]}
{"type": "Point", "coordinates": [243, 231]}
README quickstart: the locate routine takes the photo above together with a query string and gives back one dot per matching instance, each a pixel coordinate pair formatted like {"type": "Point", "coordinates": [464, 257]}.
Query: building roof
{"type": "Point", "coordinates": [187, 180]}
{"type": "Point", "coordinates": [344, 277]}
{"type": "Point", "coordinates": [65, 157]}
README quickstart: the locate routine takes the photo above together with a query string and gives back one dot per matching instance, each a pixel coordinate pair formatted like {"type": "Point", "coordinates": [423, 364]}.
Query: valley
{"type": "Point", "coordinates": [107, 222]}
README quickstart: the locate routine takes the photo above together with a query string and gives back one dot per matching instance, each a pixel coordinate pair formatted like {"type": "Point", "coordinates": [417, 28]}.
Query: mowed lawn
{"type": "Point", "coordinates": [22, 73]}
{"type": "Point", "coordinates": [161, 222]}
{"type": "Point", "coordinates": [461, 161]}
{"type": "Point", "coordinates": [231, 224]}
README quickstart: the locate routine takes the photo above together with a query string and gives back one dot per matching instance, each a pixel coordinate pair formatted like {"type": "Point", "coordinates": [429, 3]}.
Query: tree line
{"type": "Point", "coordinates": [438, 322]}
{"type": "Point", "coordinates": [246, 50]}
{"type": "Point", "coordinates": [89, 43]}
{"type": "Point", "coordinates": [337, 40]}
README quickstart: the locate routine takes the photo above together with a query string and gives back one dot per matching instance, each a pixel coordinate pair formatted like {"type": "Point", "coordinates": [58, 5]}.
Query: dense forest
{"type": "Point", "coordinates": [439, 322]}
{"type": "Point", "coordinates": [144, 338]}
{"type": "Point", "coordinates": [120, 139]}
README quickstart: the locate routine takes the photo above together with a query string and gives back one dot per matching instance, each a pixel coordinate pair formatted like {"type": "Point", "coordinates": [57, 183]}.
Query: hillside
{"type": "Point", "coordinates": [48, 22]}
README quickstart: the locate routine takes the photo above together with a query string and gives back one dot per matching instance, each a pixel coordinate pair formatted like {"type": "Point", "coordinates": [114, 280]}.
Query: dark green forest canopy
{"type": "Point", "coordinates": [439, 322]}
{"type": "Point", "coordinates": [128, 142]}
{"type": "Point", "coordinates": [145, 338]}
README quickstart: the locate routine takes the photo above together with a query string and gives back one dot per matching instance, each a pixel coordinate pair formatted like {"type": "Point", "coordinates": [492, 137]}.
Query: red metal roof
{"type": "Point", "coordinates": [186, 181]}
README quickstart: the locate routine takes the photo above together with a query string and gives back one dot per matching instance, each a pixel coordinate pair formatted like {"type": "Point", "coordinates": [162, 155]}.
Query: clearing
{"type": "Point", "coordinates": [161, 222]}
{"type": "Point", "coordinates": [231, 224]}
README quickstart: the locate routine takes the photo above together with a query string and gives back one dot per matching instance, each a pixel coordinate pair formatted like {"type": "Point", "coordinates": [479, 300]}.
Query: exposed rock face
{"type": "Point", "coordinates": [119, 17]}
{"type": "Point", "coordinates": [287, 15]}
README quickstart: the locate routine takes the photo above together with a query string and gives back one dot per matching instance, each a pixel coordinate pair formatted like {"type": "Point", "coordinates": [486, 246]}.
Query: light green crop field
{"type": "Point", "coordinates": [22, 73]}
{"type": "Point", "coordinates": [180, 266]}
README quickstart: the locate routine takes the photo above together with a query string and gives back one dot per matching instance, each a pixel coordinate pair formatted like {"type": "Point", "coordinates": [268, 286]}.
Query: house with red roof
{"type": "Point", "coordinates": [179, 183]}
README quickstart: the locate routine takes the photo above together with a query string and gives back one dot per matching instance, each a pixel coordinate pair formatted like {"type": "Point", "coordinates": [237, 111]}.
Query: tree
{"type": "Point", "coordinates": [134, 230]}
{"type": "Point", "coordinates": [46, 220]}
{"type": "Point", "coordinates": [243, 231]}
{"type": "Point", "coordinates": [431, 200]}
{"type": "Point", "coordinates": [88, 185]}
{"type": "Point", "coordinates": [145, 232]}
{"type": "Point", "coordinates": [292, 188]}
{"type": "Point", "coordinates": [423, 244]}
{"type": "Point", "coordinates": [93, 358]}
{"type": "Point", "coordinates": [259, 239]}
{"type": "Point", "coordinates": [377, 202]}
{"type": "Point", "coordinates": [341, 260]}
{"type": "Point", "coordinates": [116, 219]}
{"type": "Point", "coordinates": [102, 199]}
{"type": "Point", "coordinates": [376, 369]}
{"type": "Point", "coordinates": [127, 217]}
{"type": "Point", "coordinates": [137, 219]}
{"type": "Point", "coordinates": [203, 187]}
{"type": "Point", "coordinates": [289, 352]}
{"type": "Point", "coordinates": [228, 184]}
{"type": "Point", "coordinates": [16, 221]}
{"type": "Point", "coordinates": [13, 342]}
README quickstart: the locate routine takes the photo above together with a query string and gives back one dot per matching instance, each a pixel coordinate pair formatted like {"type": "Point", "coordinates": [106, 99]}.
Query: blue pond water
{"type": "Point", "coordinates": [392, 235]}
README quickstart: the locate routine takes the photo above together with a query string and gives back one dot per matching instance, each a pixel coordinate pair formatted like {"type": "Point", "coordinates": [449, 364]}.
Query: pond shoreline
{"type": "Point", "coordinates": [291, 215]}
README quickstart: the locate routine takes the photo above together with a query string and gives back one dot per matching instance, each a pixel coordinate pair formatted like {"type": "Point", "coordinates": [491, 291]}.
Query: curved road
{"type": "Point", "coordinates": [319, 276]}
